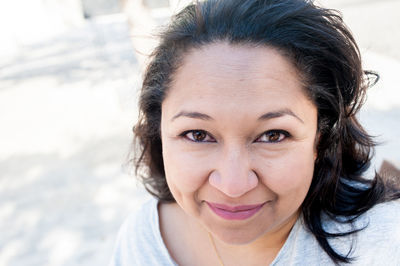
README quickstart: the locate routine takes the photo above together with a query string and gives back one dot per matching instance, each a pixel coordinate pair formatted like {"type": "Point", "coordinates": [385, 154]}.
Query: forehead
{"type": "Point", "coordinates": [235, 61]}
{"type": "Point", "coordinates": [222, 73]}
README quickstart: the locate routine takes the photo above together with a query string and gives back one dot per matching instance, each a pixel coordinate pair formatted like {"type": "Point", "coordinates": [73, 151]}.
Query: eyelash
{"type": "Point", "coordinates": [206, 134]}
{"type": "Point", "coordinates": [283, 134]}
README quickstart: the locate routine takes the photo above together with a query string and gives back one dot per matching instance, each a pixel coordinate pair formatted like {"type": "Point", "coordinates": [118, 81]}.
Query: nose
{"type": "Point", "coordinates": [233, 174]}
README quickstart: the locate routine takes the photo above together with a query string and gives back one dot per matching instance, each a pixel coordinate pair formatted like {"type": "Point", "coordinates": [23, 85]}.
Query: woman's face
{"type": "Point", "coordinates": [238, 139]}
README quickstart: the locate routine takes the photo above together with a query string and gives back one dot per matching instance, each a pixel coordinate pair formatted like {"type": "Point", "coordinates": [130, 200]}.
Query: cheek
{"type": "Point", "coordinates": [185, 173]}
{"type": "Point", "coordinates": [289, 174]}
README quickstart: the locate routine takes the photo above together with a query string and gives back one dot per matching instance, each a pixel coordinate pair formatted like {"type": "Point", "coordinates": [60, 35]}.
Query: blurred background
{"type": "Point", "coordinates": [70, 71]}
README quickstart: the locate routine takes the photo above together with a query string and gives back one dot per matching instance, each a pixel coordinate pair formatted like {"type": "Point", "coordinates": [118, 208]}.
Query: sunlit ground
{"type": "Point", "coordinates": [67, 106]}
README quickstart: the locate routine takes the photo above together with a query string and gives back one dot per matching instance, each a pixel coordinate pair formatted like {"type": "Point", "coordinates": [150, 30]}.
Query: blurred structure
{"type": "Point", "coordinates": [24, 22]}
{"type": "Point", "coordinates": [156, 3]}
{"type": "Point", "coordinates": [93, 8]}
{"type": "Point", "coordinates": [390, 170]}
{"type": "Point", "coordinates": [145, 16]}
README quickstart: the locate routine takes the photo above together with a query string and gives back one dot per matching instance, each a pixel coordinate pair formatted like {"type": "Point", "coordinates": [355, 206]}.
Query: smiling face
{"type": "Point", "coordinates": [238, 138]}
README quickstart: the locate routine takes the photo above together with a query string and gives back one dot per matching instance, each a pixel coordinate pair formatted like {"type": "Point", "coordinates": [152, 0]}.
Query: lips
{"type": "Point", "coordinates": [241, 212]}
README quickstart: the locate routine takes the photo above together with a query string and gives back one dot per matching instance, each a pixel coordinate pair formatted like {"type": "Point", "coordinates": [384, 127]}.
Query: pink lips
{"type": "Point", "coordinates": [235, 212]}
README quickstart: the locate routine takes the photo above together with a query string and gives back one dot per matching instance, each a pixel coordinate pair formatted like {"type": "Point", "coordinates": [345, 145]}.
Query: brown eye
{"type": "Point", "coordinates": [198, 136]}
{"type": "Point", "coordinates": [273, 136]}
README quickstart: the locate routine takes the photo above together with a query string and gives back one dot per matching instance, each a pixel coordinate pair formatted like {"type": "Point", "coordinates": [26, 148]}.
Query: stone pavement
{"type": "Point", "coordinates": [67, 105]}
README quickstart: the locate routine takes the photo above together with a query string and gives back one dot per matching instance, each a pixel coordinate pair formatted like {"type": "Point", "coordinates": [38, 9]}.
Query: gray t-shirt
{"type": "Point", "coordinates": [139, 241]}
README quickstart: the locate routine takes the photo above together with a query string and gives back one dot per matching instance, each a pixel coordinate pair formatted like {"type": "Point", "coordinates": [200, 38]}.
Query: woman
{"type": "Point", "coordinates": [248, 139]}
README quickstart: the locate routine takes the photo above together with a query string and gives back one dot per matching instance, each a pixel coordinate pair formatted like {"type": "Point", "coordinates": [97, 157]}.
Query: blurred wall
{"type": "Point", "coordinates": [93, 8]}
{"type": "Point", "coordinates": [145, 16]}
{"type": "Point", "coordinates": [23, 22]}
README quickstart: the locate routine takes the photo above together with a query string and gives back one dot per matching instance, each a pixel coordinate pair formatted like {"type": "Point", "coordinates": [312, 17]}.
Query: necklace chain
{"type": "Point", "coordinates": [215, 249]}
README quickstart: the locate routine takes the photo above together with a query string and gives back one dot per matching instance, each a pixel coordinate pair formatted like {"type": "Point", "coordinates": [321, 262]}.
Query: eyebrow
{"type": "Point", "coordinates": [279, 113]}
{"type": "Point", "coordinates": [195, 115]}
{"type": "Point", "coordinates": [266, 116]}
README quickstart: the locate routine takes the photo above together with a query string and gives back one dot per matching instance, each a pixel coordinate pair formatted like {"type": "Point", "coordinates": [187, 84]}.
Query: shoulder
{"type": "Point", "coordinates": [381, 216]}
{"type": "Point", "coordinates": [139, 241]}
{"type": "Point", "coordinates": [387, 212]}
{"type": "Point", "coordinates": [378, 241]}
{"type": "Point", "coordinates": [382, 222]}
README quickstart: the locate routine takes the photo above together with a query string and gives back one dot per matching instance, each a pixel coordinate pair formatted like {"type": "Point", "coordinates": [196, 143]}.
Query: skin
{"type": "Point", "coordinates": [256, 145]}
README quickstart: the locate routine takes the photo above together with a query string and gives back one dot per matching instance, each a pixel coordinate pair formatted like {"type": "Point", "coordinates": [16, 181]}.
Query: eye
{"type": "Point", "coordinates": [198, 136]}
{"type": "Point", "coordinates": [273, 136]}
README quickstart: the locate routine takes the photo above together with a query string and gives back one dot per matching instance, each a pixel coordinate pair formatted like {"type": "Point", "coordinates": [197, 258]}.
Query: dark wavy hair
{"type": "Point", "coordinates": [324, 51]}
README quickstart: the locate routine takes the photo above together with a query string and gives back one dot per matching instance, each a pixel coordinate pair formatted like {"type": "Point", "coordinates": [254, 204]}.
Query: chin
{"type": "Point", "coordinates": [236, 236]}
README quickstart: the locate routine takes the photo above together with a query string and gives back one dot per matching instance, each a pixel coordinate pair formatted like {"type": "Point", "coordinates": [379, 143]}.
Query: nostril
{"type": "Point", "coordinates": [253, 179]}
{"type": "Point", "coordinates": [215, 179]}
